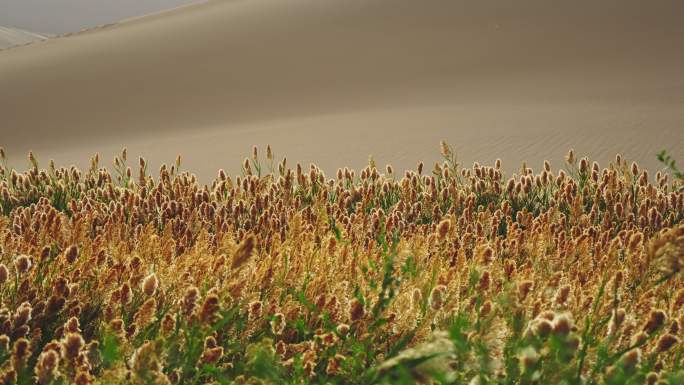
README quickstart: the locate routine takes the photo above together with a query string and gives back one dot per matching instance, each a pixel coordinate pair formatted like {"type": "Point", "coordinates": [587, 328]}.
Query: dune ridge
{"type": "Point", "coordinates": [343, 80]}
{"type": "Point", "coordinates": [12, 37]}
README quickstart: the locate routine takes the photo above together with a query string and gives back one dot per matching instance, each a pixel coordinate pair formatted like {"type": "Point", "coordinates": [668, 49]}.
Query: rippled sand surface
{"type": "Point", "coordinates": [333, 82]}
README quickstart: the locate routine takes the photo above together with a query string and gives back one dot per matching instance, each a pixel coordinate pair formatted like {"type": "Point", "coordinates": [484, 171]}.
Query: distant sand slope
{"type": "Point", "coordinates": [335, 81]}
{"type": "Point", "coordinates": [58, 17]}
{"type": "Point", "coordinates": [10, 37]}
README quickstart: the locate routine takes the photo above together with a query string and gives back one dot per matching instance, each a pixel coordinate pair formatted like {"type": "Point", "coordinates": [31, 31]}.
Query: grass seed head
{"type": "Point", "coordinates": [443, 229]}
{"type": "Point", "coordinates": [146, 314]}
{"type": "Point", "coordinates": [210, 308]}
{"type": "Point", "coordinates": [23, 264]}
{"type": "Point", "coordinates": [189, 301]}
{"type": "Point", "coordinates": [278, 324]}
{"type": "Point", "coordinates": [71, 253]}
{"type": "Point", "coordinates": [616, 320]}
{"type": "Point", "coordinates": [631, 359]}
{"type": "Point", "coordinates": [4, 273]}
{"type": "Point", "coordinates": [529, 357]}
{"type": "Point", "coordinates": [244, 252]}
{"type": "Point", "coordinates": [416, 298]}
{"type": "Point", "coordinates": [47, 367]}
{"type": "Point", "coordinates": [168, 324]}
{"type": "Point", "coordinates": [639, 338]}
{"type": "Point", "coordinates": [342, 329]}
{"type": "Point", "coordinates": [562, 295]}
{"type": "Point", "coordinates": [21, 351]}
{"type": "Point", "coordinates": [72, 345]}
{"type": "Point", "coordinates": [524, 288]}
{"type": "Point", "coordinates": [437, 295]}
{"type": "Point", "coordinates": [117, 326]}
{"type": "Point", "coordinates": [356, 310]}
{"type": "Point", "coordinates": [149, 285]}
{"type": "Point", "coordinates": [125, 294]}
{"type": "Point", "coordinates": [83, 378]}
{"type": "Point", "coordinates": [22, 315]}
{"type": "Point", "coordinates": [656, 319]}
{"type": "Point", "coordinates": [4, 343]}
{"type": "Point", "coordinates": [254, 310]}
{"type": "Point", "coordinates": [72, 326]}
{"type": "Point", "coordinates": [562, 325]}
{"type": "Point", "coordinates": [665, 342]}
{"type": "Point", "coordinates": [570, 157]}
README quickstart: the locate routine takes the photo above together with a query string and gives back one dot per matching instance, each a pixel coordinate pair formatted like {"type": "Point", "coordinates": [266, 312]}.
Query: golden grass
{"type": "Point", "coordinates": [454, 275]}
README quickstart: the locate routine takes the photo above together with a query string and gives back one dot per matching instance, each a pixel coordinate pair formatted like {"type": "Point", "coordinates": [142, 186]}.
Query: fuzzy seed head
{"type": "Point", "coordinates": [437, 295]}
{"type": "Point", "coordinates": [149, 285]}
{"type": "Point", "coordinates": [72, 326]}
{"type": "Point", "coordinates": [562, 295]}
{"type": "Point", "coordinates": [189, 301]}
{"type": "Point", "coordinates": [254, 309]}
{"type": "Point", "coordinates": [416, 298]}
{"type": "Point", "coordinates": [631, 359]}
{"type": "Point", "coordinates": [542, 327]}
{"type": "Point", "coordinates": [168, 324]}
{"type": "Point", "coordinates": [656, 319]}
{"type": "Point", "coordinates": [562, 325]}
{"type": "Point", "coordinates": [529, 357]}
{"type": "Point", "coordinates": [23, 264]}
{"type": "Point", "coordinates": [244, 251]}
{"type": "Point", "coordinates": [210, 308]}
{"type": "Point", "coordinates": [342, 329]}
{"type": "Point", "coordinates": [47, 367]}
{"type": "Point", "coordinates": [146, 314]}
{"type": "Point", "coordinates": [278, 324]}
{"type": "Point", "coordinates": [71, 253]}
{"type": "Point", "coordinates": [72, 345]}
{"type": "Point", "coordinates": [4, 273]}
{"type": "Point", "coordinates": [665, 342]}
{"type": "Point", "coordinates": [356, 310]}
{"type": "Point", "coordinates": [21, 351]}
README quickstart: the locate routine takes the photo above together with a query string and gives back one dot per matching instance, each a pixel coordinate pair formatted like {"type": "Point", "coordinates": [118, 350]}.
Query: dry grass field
{"type": "Point", "coordinates": [445, 274]}
{"type": "Point", "coordinates": [533, 266]}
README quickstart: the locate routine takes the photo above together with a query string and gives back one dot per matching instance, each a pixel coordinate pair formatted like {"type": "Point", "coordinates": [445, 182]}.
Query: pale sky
{"type": "Point", "coordinates": [60, 16]}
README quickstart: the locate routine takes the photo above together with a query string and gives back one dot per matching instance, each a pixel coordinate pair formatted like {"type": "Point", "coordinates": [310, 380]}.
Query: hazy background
{"type": "Point", "coordinates": [61, 16]}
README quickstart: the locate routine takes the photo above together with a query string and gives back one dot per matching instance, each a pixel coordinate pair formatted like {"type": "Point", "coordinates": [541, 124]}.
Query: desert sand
{"type": "Point", "coordinates": [57, 17]}
{"type": "Point", "coordinates": [333, 82]}
{"type": "Point", "coordinates": [12, 37]}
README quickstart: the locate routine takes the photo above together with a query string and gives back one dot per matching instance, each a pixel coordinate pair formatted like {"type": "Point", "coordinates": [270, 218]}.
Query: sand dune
{"type": "Point", "coordinates": [11, 37]}
{"type": "Point", "coordinates": [57, 17]}
{"type": "Point", "coordinates": [335, 81]}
